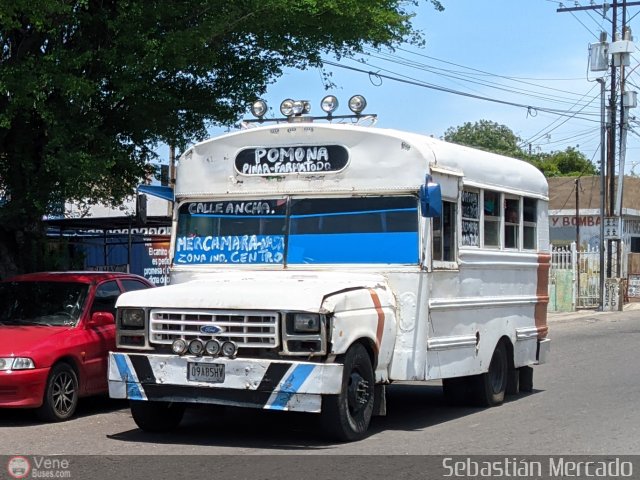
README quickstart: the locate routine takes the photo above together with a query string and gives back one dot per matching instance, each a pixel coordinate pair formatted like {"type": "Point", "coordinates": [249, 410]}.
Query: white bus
{"type": "Point", "coordinates": [314, 263]}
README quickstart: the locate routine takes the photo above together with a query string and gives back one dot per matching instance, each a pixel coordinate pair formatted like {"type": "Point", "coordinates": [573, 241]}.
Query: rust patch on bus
{"type": "Point", "coordinates": [542, 292]}
{"type": "Point", "coordinates": [380, 312]}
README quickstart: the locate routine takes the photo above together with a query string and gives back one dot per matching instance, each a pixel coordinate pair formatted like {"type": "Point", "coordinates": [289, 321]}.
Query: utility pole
{"type": "Point", "coordinates": [612, 57]}
{"type": "Point", "coordinates": [577, 187]}
{"type": "Point", "coordinates": [603, 155]}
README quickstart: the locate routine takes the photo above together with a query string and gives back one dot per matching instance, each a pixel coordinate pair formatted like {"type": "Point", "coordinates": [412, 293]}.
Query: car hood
{"type": "Point", "coordinates": [255, 290]}
{"type": "Point", "coordinates": [22, 340]}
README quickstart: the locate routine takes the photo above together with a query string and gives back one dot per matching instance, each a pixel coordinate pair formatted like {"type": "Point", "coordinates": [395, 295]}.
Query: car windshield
{"type": "Point", "coordinates": [42, 303]}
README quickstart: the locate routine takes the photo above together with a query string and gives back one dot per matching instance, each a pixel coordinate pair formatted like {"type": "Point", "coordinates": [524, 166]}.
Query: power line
{"type": "Point", "coordinates": [530, 108]}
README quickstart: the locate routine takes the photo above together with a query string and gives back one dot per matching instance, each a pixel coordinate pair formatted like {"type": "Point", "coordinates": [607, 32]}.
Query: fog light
{"type": "Point", "coordinates": [179, 346]}
{"type": "Point", "coordinates": [259, 108]}
{"type": "Point", "coordinates": [329, 104]}
{"type": "Point", "coordinates": [212, 347]}
{"type": "Point", "coordinates": [357, 104]}
{"type": "Point", "coordinates": [196, 347]}
{"type": "Point", "coordinates": [286, 107]}
{"type": "Point", "coordinates": [229, 349]}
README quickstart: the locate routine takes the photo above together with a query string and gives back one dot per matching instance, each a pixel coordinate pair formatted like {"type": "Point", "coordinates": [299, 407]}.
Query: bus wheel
{"type": "Point", "coordinates": [346, 416]}
{"type": "Point", "coordinates": [490, 387]}
{"type": "Point", "coordinates": [156, 416]}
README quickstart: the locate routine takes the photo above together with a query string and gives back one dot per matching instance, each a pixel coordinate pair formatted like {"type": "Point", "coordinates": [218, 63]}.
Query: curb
{"type": "Point", "coordinates": [589, 313]}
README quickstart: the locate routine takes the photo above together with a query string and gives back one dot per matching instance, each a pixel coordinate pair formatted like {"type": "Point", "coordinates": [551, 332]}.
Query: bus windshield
{"type": "Point", "coordinates": [351, 230]}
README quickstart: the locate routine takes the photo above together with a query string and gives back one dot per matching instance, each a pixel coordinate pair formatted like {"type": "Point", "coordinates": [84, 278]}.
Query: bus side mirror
{"type": "Point", "coordinates": [430, 200]}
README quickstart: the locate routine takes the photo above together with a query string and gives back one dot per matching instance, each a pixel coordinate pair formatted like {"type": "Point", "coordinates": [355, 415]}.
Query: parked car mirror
{"type": "Point", "coordinates": [99, 319]}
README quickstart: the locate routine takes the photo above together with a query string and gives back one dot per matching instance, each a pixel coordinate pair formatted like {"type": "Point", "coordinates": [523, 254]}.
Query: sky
{"type": "Point", "coordinates": [522, 52]}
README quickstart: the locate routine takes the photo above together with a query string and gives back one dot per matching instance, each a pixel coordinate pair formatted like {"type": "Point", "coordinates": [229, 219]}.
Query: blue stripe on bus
{"type": "Point", "coordinates": [133, 391]}
{"type": "Point", "coordinates": [361, 212]}
{"type": "Point", "coordinates": [291, 386]}
{"type": "Point", "coordinates": [390, 247]}
{"type": "Point", "coordinates": [217, 215]}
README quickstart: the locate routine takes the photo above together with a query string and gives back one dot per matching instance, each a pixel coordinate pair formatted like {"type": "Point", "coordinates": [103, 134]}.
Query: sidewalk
{"type": "Point", "coordinates": [585, 313]}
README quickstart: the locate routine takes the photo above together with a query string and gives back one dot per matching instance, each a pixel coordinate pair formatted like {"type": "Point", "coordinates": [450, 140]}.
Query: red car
{"type": "Point", "coordinates": [56, 330]}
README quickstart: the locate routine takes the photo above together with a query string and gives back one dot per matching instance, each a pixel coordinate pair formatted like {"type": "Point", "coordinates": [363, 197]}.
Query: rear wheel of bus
{"type": "Point", "coordinates": [346, 417]}
{"type": "Point", "coordinates": [484, 390]}
{"type": "Point", "coordinates": [489, 388]}
{"type": "Point", "coordinates": [157, 416]}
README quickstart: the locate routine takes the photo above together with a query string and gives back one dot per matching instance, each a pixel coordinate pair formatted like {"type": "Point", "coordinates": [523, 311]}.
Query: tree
{"type": "Point", "coordinates": [88, 88]}
{"type": "Point", "coordinates": [486, 135]}
{"type": "Point", "coordinates": [567, 163]}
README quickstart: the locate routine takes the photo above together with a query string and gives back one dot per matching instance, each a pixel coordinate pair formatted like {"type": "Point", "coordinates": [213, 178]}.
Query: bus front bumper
{"type": "Point", "coordinates": [266, 384]}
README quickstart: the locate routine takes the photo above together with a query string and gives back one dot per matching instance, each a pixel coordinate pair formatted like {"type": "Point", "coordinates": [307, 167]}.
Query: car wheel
{"type": "Point", "coordinates": [346, 416]}
{"type": "Point", "coordinates": [61, 394]}
{"type": "Point", "coordinates": [157, 416]}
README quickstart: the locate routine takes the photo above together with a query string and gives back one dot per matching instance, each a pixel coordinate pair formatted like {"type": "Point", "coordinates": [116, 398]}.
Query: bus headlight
{"type": "Point", "coordinates": [304, 333]}
{"type": "Point", "coordinates": [132, 318]}
{"type": "Point", "coordinates": [306, 323]}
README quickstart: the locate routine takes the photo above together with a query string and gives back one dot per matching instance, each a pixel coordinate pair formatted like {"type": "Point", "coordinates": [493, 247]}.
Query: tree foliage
{"type": "Point", "coordinates": [88, 88]}
{"type": "Point", "coordinates": [497, 138]}
{"type": "Point", "coordinates": [485, 135]}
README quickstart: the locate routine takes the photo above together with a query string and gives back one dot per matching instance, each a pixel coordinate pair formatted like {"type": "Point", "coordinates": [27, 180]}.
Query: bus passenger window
{"type": "Point", "coordinates": [511, 222]}
{"type": "Point", "coordinates": [492, 215]}
{"type": "Point", "coordinates": [530, 217]}
{"type": "Point", "coordinates": [444, 233]}
{"type": "Point", "coordinates": [470, 204]}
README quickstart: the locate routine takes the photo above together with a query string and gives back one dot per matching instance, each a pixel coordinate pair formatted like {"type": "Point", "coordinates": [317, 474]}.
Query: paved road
{"type": "Point", "coordinates": [585, 402]}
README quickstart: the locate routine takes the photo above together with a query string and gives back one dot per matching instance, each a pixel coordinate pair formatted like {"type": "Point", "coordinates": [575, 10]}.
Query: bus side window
{"type": "Point", "coordinates": [511, 222]}
{"type": "Point", "coordinates": [530, 217]}
{"type": "Point", "coordinates": [492, 214]}
{"type": "Point", "coordinates": [444, 233]}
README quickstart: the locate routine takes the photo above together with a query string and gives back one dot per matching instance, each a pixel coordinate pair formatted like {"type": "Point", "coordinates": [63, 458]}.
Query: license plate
{"type": "Point", "coordinates": [205, 372]}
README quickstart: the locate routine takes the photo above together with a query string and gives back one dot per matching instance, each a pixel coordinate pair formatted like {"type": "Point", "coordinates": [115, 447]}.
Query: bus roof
{"type": "Point", "coordinates": [340, 158]}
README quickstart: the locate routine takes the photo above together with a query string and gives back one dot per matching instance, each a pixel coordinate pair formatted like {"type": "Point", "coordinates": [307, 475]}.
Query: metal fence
{"type": "Point", "coordinates": [574, 279]}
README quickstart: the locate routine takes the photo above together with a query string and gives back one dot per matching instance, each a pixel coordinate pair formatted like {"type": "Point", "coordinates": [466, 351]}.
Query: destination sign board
{"type": "Point", "coordinates": [310, 160]}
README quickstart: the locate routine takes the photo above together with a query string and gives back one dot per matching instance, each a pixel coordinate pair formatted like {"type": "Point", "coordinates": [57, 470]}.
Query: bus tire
{"type": "Point", "coordinates": [156, 417]}
{"type": "Point", "coordinates": [346, 417]}
{"type": "Point", "coordinates": [490, 387]}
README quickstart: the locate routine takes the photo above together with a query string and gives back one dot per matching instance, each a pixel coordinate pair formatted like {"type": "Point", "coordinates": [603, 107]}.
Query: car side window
{"type": "Point", "coordinates": [106, 296]}
{"type": "Point", "coordinates": [131, 285]}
